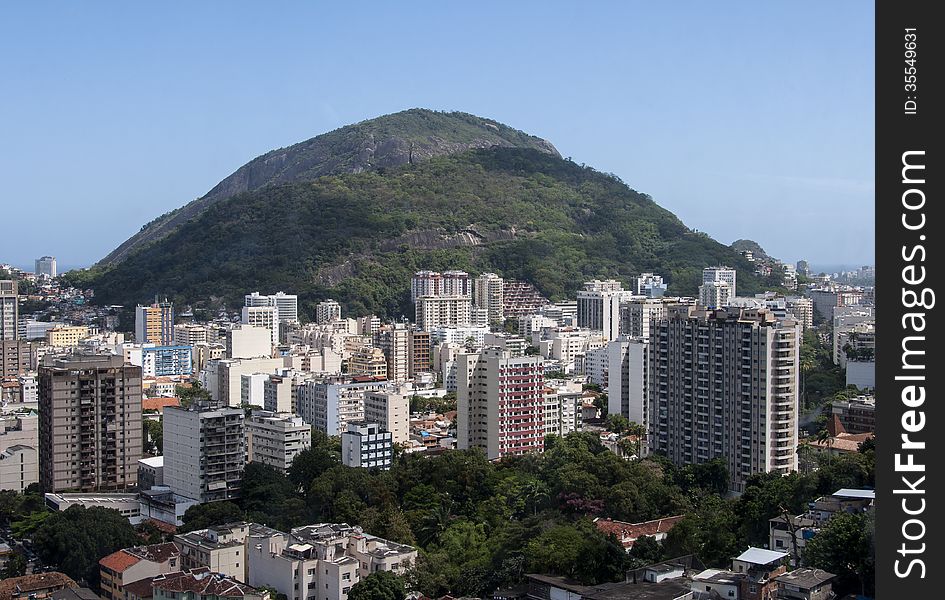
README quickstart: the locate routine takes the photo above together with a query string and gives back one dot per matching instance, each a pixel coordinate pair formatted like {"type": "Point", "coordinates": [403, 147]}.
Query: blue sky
{"type": "Point", "coordinates": [754, 122]}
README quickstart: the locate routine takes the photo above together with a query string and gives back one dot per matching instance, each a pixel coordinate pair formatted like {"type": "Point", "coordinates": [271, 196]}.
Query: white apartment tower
{"type": "Point", "coordinates": [286, 304]}
{"type": "Point", "coordinates": [443, 311]}
{"type": "Point", "coordinates": [394, 342]}
{"type": "Point", "coordinates": [204, 452]}
{"type": "Point", "coordinates": [598, 307]}
{"type": "Point", "coordinates": [275, 439]}
{"type": "Point", "coordinates": [489, 296]}
{"type": "Point", "coordinates": [628, 387]}
{"type": "Point", "coordinates": [390, 410]}
{"type": "Point", "coordinates": [500, 403]}
{"type": "Point", "coordinates": [327, 311]}
{"type": "Point", "coordinates": [46, 266]}
{"type": "Point", "coordinates": [650, 285]}
{"type": "Point", "coordinates": [263, 316]}
{"type": "Point", "coordinates": [724, 384]}
{"type": "Point", "coordinates": [8, 310]}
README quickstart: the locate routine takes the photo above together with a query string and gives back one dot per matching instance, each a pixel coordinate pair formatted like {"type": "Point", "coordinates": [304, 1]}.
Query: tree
{"type": "Point", "coordinates": [844, 546]}
{"type": "Point", "coordinates": [617, 423]}
{"type": "Point", "coordinates": [15, 567]}
{"type": "Point", "coordinates": [379, 585]}
{"type": "Point", "coordinates": [201, 516]}
{"type": "Point", "coordinates": [75, 539]}
{"type": "Point", "coordinates": [153, 436]}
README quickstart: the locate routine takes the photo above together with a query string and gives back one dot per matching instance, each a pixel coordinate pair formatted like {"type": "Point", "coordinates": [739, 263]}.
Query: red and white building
{"type": "Point", "coordinates": [500, 403]}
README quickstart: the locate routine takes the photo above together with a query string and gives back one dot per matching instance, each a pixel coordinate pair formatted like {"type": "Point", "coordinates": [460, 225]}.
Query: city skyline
{"type": "Point", "coordinates": [649, 94]}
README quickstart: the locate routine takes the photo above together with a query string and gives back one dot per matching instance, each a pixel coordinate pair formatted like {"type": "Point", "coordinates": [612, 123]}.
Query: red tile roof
{"type": "Point", "coordinates": [627, 533]}
{"type": "Point", "coordinates": [119, 561]}
{"type": "Point", "coordinates": [203, 582]}
{"type": "Point", "coordinates": [37, 582]}
{"type": "Point", "coordinates": [158, 404]}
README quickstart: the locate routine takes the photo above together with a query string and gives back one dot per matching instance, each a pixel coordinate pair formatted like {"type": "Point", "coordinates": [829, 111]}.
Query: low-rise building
{"type": "Point", "coordinates": [129, 565]}
{"type": "Point", "coordinates": [203, 584]}
{"type": "Point", "coordinates": [628, 533]}
{"type": "Point", "coordinates": [126, 504]}
{"type": "Point", "coordinates": [221, 549]}
{"type": "Point", "coordinates": [806, 584]}
{"type": "Point", "coordinates": [321, 561]}
{"type": "Point", "coordinates": [150, 472]}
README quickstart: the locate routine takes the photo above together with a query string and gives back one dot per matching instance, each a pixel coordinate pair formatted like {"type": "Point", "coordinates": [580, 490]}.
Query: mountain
{"type": "Point", "coordinates": [410, 136]}
{"type": "Point", "coordinates": [510, 205]}
{"type": "Point", "coordinates": [757, 251]}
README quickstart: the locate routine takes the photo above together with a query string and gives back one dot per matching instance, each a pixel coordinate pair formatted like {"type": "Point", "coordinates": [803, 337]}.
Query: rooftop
{"type": "Point", "coordinates": [806, 578]}
{"type": "Point", "coordinates": [760, 556]}
{"type": "Point", "coordinates": [203, 582]}
{"type": "Point", "coordinates": [851, 493]}
{"type": "Point", "coordinates": [627, 533]}
{"type": "Point", "coordinates": [34, 583]}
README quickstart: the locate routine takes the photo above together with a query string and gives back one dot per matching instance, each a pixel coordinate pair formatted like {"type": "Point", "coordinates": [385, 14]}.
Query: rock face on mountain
{"type": "Point", "coordinates": [411, 136]}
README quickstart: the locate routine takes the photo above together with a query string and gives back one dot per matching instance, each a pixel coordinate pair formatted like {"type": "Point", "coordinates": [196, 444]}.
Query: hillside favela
{"type": "Point", "coordinates": [426, 356]}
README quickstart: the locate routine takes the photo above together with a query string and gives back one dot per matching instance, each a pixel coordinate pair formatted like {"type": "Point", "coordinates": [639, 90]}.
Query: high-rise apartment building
{"type": "Point", "coordinates": [720, 273]}
{"type": "Point", "coordinates": [286, 304]}
{"type": "Point", "coordinates": [627, 385]}
{"type": "Point", "coordinates": [443, 311]}
{"type": "Point", "coordinates": [89, 423]}
{"type": "Point", "coordinates": [419, 350]}
{"type": "Point", "coordinates": [263, 316]}
{"type": "Point", "coordinates": [448, 283]}
{"type": "Point", "coordinates": [369, 361]}
{"type": "Point", "coordinates": [330, 406]}
{"type": "Point", "coordinates": [15, 357]}
{"type": "Point", "coordinates": [489, 295]}
{"type": "Point", "coordinates": [598, 306]}
{"type": "Point", "coordinates": [327, 311]}
{"type": "Point", "coordinates": [715, 294]}
{"type": "Point", "coordinates": [9, 310]}
{"type": "Point", "coordinates": [724, 384]}
{"type": "Point", "coordinates": [189, 334]}
{"type": "Point", "coordinates": [275, 439]}
{"type": "Point", "coordinates": [367, 445]}
{"type": "Point", "coordinates": [394, 342]}
{"type": "Point", "coordinates": [500, 402]}
{"type": "Point", "coordinates": [636, 316]}
{"type": "Point", "coordinates": [155, 324]}
{"type": "Point", "coordinates": [46, 266]}
{"type": "Point", "coordinates": [650, 285]}
{"type": "Point", "coordinates": [390, 410]}
{"type": "Point", "coordinates": [204, 451]}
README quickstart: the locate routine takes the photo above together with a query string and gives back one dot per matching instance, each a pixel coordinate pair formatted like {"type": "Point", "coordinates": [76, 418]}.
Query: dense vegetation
{"type": "Point", "coordinates": [358, 237]}
{"type": "Point", "coordinates": [406, 137]}
{"type": "Point", "coordinates": [482, 525]}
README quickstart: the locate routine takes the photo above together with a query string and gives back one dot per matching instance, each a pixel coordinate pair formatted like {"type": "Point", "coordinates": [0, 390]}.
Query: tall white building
{"type": "Point", "coordinates": [489, 296]}
{"type": "Point", "coordinates": [19, 451]}
{"type": "Point", "coordinates": [366, 445]}
{"type": "Point", "coordinates": [189, 334]}
{"type": "Point", "coordinates": [327, 311]}
{"type": "Point", "coordinates": [724, 384]}
{"type": "Point", "coordinates": [275, 439]}
{"type": "Point", "coordinates": [204, 452]}
{"type": "Point", "coordinates": [46, 266]}
{"type": "Point", "coordinates": [8, 310]}
{"type": "Point", "coordinates": [286, 304]}
{"type": "Point", "coordinates": [394, 342]}
{"type": "Point", "coordinates": [448, 283]}
{"type": "Point", "coordinates": [390, 410]}
{"type": "Point", "coordinates": [627, 389]}
{"type": "Point", "coordinates": [650, 285]}
{"type": "Point", "coordinates": [720, 273]}
{"type": "Point", "coordinates": [263, 316]}
{"type": "Point", "coordinates": [715, 294]}
{"type": "Point", "coordinates": [443, 311]}
{"type": "Point", "coordinates": [330, 406]}
{"type": "Point", "coordinates": [500, 403]}
{"type": "Point", "coordinates": [598, 306]}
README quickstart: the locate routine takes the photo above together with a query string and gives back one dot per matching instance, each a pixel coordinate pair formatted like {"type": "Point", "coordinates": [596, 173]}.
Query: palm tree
{"type": "Point", "coordinates": [534, 491]}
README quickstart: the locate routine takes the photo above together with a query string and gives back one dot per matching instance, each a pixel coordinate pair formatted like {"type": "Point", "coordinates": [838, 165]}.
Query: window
{"type": "Point", "coordinates": [346, 577]}
{"type": "Point", "coordinates": [345, 590]}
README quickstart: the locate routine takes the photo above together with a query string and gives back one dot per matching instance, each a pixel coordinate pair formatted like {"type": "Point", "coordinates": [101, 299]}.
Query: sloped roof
{"type": "Point", "coordinates": [628, 533]}
{"type": "Point", "coordinates": [760, 556]}
{"type": "Point", "coordinates": [34, 583]}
